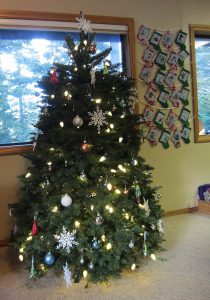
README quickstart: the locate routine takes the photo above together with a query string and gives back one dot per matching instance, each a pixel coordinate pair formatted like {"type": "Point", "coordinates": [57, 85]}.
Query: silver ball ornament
{"type": "Point", "coordinates": [66, 200]}
{"type": "Point", "coordinates": [131, 244]}
{"type": "Point", "coordinates": [95, 244]}
{"type": "Point", "coordinates": [91, 266]}
{"type": "Point", "coordinates": [77, 121]}
{"type": "Point", "coordinates": [82, 260]}
{"type": "Point", "coordinates": [99, 219]}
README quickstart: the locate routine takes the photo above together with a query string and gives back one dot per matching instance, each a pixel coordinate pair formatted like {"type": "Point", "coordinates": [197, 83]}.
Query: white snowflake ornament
{"type": "Point", "coordinates": [84, 25]}
{"type": "Point", "coordinates": [66, 239]}
{"type": "Point", "coordinates": [98, 118]}
{"type": "Point", "coordinates": [67, 275]}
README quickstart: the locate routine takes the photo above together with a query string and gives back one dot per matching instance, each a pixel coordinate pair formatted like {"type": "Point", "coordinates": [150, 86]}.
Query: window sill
{"type": "Point", "coordinates": [11, 150]}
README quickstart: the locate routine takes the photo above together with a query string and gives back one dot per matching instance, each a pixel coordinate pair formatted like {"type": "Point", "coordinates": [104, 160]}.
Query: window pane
{"type": "Point", "coordinates": [202, 52]}
{"type": "Point", "coordinates": [25, 56]}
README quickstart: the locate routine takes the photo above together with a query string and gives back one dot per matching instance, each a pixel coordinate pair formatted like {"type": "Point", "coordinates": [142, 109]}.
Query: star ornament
{"type": "Point", "coordinates": [98, 118]}
{"type": "Point", "coordinates": [84, 25]}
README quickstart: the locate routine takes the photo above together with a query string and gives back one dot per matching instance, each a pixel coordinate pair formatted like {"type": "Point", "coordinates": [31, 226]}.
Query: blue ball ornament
{"type": "Point", "coordinates": [95, 244]}
{"type": "Point", "coordinates": [49, 259]}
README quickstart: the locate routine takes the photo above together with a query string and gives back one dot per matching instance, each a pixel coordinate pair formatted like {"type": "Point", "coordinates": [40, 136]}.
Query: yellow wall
{"type": "Point", "coordinates": [178, 171]}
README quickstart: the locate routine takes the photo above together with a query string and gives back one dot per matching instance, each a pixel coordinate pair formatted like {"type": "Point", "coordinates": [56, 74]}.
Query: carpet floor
{"type": "Point", "coordinates": [182, 272]}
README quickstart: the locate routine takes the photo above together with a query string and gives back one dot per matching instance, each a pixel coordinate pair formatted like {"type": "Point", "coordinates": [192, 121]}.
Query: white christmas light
{"type": "Point", "coordinates": [21, 250]}
{"type": "Point", "coordinates": [108, 130]}
{"type": "Point", "coordinates": [117, 191]}
{"type": "Point", "coordinates": [111, 126]}
{"type": "Point", "coordinates": [122, 116]}
{"type": "Point", "coordinates": [135, 162]}
{"type": "Point", "coordinates": [109, 246]}
{"type": "Point", "coordinates": [92, 207]}
{"type": "Point", "coordinates": [103, 238]}
{"type": "Point", "coordinates": [120, 139]}
{"type": "Point", "coordinates": [133, 266]}
{"type": "Point", "coordinates": [66, 93]}
{"type": "Point", "coordinates": [28, 175]}
{"type": "Point", "coordinates": [42, 267]}
{"type": "Point", "coordinates": [98, 101]}
{"type": "Point", "coordinates": [61, 124]}
{"type": "Point", "coordinates": [107, 207]}
{"type": "Point", "coordinates": [111, 209]}
{"type": "Point", "coordinates": [110, 113]}
{"type": "Point", "coordinates": [52, 149]}
{"type": "Point", "coordinates": [84, 66]}
{"type": "Point", "coordinates": [77, 224]}
{"type": "Point", "coordinates": [75, 69]}
{"type": "Point", "coordinates": [103, 158]}
{"type": "Point", "coordinates": [153, 257]}
{"type": "Point", "coordinates": [29, 238]}
{"type": "Point", "coordinates": [52, 96]}
{"type": "Point", "coordinates": [109, 186]}
{"type": "Point", "coordinates": [85, 42]}
{"type": "Point", "coordinates": [76, 48]}
{"type": "Point", "coordinates": [127, 216]}
{"type": "Point", "coordinates": [85, 273]}
{"type": "Point", "coordinates": [21, 257]}
{"type": "Point", "coordinates": [55, 209]}
{"type": "Point", "coordinates": [113, 171]}
{"type": "Point", "coordinates": [49, 163]}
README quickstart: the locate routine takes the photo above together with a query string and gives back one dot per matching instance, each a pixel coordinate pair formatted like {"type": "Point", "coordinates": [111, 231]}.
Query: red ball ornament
{"type": "Point", "coordinates": [86, 147]}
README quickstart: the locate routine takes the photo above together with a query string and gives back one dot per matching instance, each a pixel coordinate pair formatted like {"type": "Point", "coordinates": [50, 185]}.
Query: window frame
{"type": "Point", "coordinates": [197, 30]}
{"type": "Point", "coordinates": [65, 17]}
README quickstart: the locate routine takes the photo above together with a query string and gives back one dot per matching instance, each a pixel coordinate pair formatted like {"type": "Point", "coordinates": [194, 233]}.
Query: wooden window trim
{"type": "Point", "coordinates": [63, 17]}
{"type": "Point", "coordinates": [196, 30]}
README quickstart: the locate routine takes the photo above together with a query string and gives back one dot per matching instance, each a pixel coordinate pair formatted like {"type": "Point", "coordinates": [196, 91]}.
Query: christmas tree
{"type": "Point", "coordinates": [87, 206]}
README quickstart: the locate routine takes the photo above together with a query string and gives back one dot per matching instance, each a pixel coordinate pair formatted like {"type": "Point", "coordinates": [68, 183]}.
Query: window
{"type": "Point", "coordinates": [200, 50]}
{"type": "Point", "coordinates": [27, 51]}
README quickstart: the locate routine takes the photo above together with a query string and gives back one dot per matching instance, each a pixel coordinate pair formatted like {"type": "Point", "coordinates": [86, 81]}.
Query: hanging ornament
{"type": "Point", "coordinates": [66, 239]}
{"type": "Point", "coordinates": [93, 76]}
{"type": "Point", "coordinates": [77, 121]}
{"type": "Point", "coordinates": [98, 118]}
{"type": "Point", "coordinates": [131, 244]}
{"type": "Point", "coordinates": [85, 147]}
{"type": "Point", "coordinates": [34, 230]}
{"type": "Point", "coordinates": [125, 191]}
{"type": "Point", "coordinates": [95, 244]}
{"type": "Point", "coordinates": [54, 78]}
{"type": "Point", "coordinates": [67, 275]}
{"type": "Point", "coordinates": [82, 261]}
{"type": "Point", "coordinates": [99, 219]}
{"type": "Point", "coordinates": [107, 65]}
{"type": "Point", "coordinates": [145, 206]}
{"type": "Point", "coordinates": [164, 138]}
{"type": "Point", "coordinates": [66, 200]}
{"type": "Point", "coordinates": [49, 259]}
{"type": "Point", "coordinates": [33, 270]}
{"type": "Point", "coordinates": [160, 226]}
{"type": "Point", "coordinates": [144, 244]}
{"type": "Point", "coordinates": [91, 266]}
{"type": "Point", "coordinates": [137, 193]}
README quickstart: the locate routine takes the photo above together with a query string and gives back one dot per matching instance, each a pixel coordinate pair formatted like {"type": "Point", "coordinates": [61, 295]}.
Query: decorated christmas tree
{"type": "Point", "coordinates": [87, 207]}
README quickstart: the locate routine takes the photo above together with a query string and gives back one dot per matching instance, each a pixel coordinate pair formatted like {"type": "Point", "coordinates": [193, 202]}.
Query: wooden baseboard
{"type": "Point", "coordinates": [4, 243]}
{"type": "Point", "coordinates": [204, 207]}
{"type": "Point", "coordinates": [181, 211]}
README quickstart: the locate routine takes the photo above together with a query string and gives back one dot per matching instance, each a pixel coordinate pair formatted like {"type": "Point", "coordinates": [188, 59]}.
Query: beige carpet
{"type": "Point", "coordinates": [183, 274]}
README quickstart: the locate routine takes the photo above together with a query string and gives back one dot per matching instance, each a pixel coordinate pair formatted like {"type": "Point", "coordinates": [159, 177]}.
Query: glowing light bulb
{"type": "Point", "coordinates": [120, 139]}
{"type": "Point", "coordinates": [111, 210]}
{"type": "Point", "coordinates": [103, 158]}
{"type": "Point", "coordinates": [111, 126]}
{"type": "Point", "coordinates": [61, 124]}
{"type": "Point", "coordinates": [77, 224]}
{"type": "Point", "coordinates": [135, 162]}
{"type": "Point", "coordinates": [85, 273]}
{"type": "Point", "coordinates": [122, 116]}
{"type": "Point", "coordinates": [117, 191]}
{"type": "Point", "coordinates": [52, 149]}
{"type": "Point", "coordinates": [29, 238]}
{"type": "Point", "coordinates": [110, 113]}
{"type": "Point", "coordinates": [133, 266]}
{"type": "Point", "coordinates": [109, 186]}
{"type": "Point", "coordinates": [153, 256]}
{"type": "Point", "coordinates": [52, 96]}
{"type": "Point", "coordinates": [42, 267]}
{"type": "Point", "coordinates": [49, 163]}
{"type": "Point", "coordinates": [75, 69]}
{"type": "Point", "coordinates": [55, 209]}
{"type": "Point", "coordinates": [107, 207]}
{"type": "Point", "coordinates": [85, 42]}
{"type": "Point", "coordinates": [109, 246]}
{"type": "Point", "coordinates": [84, 66]}
{"type": "Point", "coordinates": [21, 257]}
{"type": "Point", "coordinates": [92, 207]}
{"type": "Point", "coordinates": [127, 216]}
{"type": "Point", "coordinates": [98, 101]}
{"type": "Point", "coordinates": [108, 130]}
{"type": "Point", "coordinates": [76, 48]}
{"type": "Point", "coordinates": [113, 171]}
{"type": "Point", "coordinates": [103, 238]}
{"type": "Point", "coordinates": [66, 93]}
{"type": "Point", "coordinates": [21, 250]}
{"type": "Point", "coordinates": [28, 175]}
